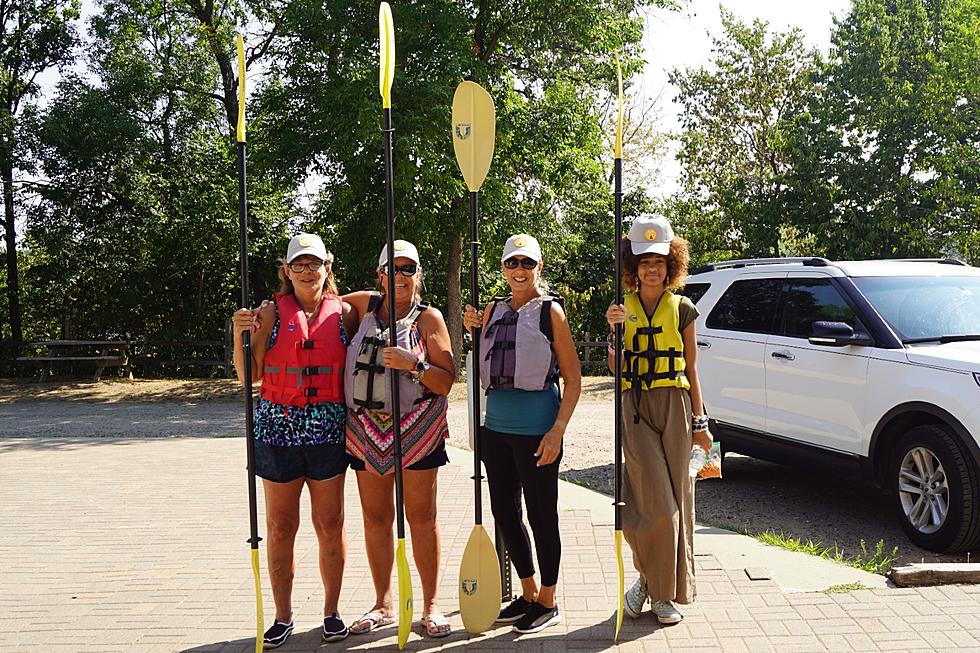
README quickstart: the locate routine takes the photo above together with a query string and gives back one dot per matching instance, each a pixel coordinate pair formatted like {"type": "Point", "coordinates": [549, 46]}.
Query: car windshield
{"type": "Point", "coordinates": [926, 308]}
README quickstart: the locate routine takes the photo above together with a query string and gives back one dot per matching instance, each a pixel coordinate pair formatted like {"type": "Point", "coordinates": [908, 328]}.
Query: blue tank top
{"type": "Point", "coordinates": [522, 412]}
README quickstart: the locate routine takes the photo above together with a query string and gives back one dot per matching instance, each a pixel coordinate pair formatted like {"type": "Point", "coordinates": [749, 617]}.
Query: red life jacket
{"type": "Point", "coordinates": [306, 365]}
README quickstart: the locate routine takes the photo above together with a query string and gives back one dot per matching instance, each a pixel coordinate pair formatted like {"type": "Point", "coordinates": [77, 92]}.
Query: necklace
{"type": "Point", "coordinates": [310, 314]}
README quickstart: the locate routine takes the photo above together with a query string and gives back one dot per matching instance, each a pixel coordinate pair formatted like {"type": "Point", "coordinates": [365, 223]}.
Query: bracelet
{"type": "Point", "coordinates": [699, 428]}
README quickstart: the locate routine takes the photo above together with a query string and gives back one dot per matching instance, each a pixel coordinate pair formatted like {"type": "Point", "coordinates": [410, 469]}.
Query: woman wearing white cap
{"type": "Point", "coordinates": [526, 344]}
{"type": "Point", "coordinates": [663, 417]}
{"type": "Point", "coordinates": [423, 362]}
{"type": "Point", "coordinates": [298, 349]}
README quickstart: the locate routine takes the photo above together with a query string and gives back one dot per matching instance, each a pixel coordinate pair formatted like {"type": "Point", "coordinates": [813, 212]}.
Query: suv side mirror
{"type": "Point", "coordinates": [836, 334]}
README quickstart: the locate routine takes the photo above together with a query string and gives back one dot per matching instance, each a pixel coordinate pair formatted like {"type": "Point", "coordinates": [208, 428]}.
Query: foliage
{"type": "Point", "coordinates": [886, 158]}
{"type": "Point", "coordinates": [138, 231]}
{"type": "Point", "coordinates": [35, 35]}
{"type": "Point", "coordinates": [735, 116]}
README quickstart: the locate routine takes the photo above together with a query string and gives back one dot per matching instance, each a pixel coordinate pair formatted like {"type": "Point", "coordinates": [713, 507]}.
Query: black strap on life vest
{"type": "Point", "coordinates": [374, 367]}
{"type": "Point", "coordinates": [633, 355]}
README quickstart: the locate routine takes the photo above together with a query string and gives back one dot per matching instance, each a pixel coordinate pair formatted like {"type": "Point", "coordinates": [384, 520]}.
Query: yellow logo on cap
{"type": "Point", "coordinates": [520, 242]}
{"type": "Point", "coordinates": [399, 247]}
{"type": "Point", "coordinates": [650, 234]}
{"type": "Point", "coordinates": [305, 242]}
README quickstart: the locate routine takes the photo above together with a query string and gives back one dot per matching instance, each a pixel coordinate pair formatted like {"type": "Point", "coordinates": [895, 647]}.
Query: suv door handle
{"type": "Point", "coordinates": [784, 355]}
{"type": "Point", "coordinates": [704, 344]}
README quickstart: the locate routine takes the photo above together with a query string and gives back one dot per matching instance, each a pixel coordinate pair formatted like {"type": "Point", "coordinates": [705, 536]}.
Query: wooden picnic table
{"type": "Point", "coordinates": [104, 353]}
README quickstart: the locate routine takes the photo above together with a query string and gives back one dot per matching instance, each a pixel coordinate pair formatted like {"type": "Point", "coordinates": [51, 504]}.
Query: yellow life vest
{"type": "Point", "coordinates": [654, 349]}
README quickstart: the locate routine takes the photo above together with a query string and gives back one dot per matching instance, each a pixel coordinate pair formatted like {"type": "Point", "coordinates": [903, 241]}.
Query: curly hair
{"type": "Point", "coordinates": [677, 261]}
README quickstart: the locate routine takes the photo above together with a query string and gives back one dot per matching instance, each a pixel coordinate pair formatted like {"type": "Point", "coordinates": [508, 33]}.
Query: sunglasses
{"type": "Point", "coordinates": [526, 263]}
{"type": "Point", "coordinates": [407, 270]}
{"type": "Point", "coordinates": [312, 266]}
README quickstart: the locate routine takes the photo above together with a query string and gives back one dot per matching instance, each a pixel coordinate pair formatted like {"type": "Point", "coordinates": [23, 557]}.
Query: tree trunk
{"type": "Point", "coordinates": [13, 287]}
{"type": "Point", "coordinates": [454, 303]}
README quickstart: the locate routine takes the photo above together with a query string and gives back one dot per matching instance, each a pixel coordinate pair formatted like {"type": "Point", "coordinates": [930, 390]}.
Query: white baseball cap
{"type": "Point", "coordinates": [305, 244]}
{"type": "Point", "coordinates": [651, 234]}
{"type": "Point", "coordinates": [522, 245]}
{"type": "Point", "coordinates": [403, 249]}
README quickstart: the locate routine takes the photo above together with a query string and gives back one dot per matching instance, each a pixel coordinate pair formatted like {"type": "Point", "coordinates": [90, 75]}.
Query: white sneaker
{"type": "Point", "coordinates": [666, 612]}
{"type": "Point", "coordinates": [634, 598]}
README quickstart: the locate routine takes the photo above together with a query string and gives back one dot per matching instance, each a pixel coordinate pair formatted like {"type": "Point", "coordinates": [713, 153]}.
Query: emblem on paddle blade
{"type": "Point", "coordinates": [469, 586]}
{"type": "Point", "coordinates": [462, 131]}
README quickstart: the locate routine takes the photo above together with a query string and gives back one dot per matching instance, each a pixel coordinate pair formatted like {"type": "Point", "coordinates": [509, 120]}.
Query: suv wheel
{"type": "Point", "coordinates": [936, 489]}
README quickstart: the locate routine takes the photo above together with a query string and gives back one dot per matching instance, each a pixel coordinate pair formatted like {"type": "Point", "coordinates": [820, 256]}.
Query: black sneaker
{"type": "Point", "coordinates": [537, 618]}
{"type": "Point", "coordinates": [276, 635]}
{"type": "Point", "coordinates": [334, 629]}
{"type": "Point", "coordinates": [517, 608]}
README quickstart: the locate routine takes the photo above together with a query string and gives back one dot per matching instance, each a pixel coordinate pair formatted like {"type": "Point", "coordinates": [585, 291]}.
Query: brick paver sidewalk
{"type": "Point", "coordinates": [139, 545]}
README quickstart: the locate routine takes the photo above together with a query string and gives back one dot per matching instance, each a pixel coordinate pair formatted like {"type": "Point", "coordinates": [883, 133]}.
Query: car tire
{"type": "Point", "coordinates": [935, 486]}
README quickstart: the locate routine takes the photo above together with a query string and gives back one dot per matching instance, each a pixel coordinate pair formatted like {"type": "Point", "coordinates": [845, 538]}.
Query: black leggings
{"type": "Point", "coordinates": [511, 467]}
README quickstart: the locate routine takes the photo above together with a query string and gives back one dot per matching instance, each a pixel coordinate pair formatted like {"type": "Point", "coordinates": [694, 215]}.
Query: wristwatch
{"type": "Point", "coordinates": [421, 367]}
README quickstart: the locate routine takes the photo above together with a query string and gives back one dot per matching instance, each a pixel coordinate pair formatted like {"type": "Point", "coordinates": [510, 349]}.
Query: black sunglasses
{"type": "Point", "coordinates": [526, 263]}
{"type": "Point", "coordinates": [407, 270]}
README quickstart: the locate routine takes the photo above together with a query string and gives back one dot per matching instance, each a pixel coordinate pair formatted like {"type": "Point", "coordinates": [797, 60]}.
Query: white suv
{"type": "Point", "coordinates": [870, 368]}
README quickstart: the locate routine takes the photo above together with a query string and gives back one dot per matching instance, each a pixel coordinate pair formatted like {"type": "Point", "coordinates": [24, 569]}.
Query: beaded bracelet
{"type": "Point", "coordinates": [699, 428]}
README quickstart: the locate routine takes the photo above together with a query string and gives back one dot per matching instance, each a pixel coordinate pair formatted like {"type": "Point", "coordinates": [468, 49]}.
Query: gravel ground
{"type": "Point", "coordinates": [754, 495]}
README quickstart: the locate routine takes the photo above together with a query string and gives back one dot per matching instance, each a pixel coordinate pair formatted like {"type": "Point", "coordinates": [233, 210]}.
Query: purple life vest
{"type": "Point", "coordinates": [367, 382]}
{"type": "Point", "coordinates": [517, 346]}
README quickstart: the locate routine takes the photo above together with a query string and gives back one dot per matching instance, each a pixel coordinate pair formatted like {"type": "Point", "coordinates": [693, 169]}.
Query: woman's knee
{"type": "Point", "coordinates": [280, 526]}
{"type": "Point", "coordinates": [422, 517]}
{"type": "Point", "coordinates": [378, 517]}
{"type": "Point", "coordinates": [329, 523]}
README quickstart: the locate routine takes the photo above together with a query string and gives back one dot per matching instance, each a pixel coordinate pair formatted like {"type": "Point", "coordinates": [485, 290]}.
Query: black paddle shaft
{"type": "Point", "coordinates": [396, 426]}
{"type": "Point", "coordinates": [254, 539]}
{"type": "Point", "coordinates": [475, 360]}
{"type": "Point", "coordinates": [618, 345]}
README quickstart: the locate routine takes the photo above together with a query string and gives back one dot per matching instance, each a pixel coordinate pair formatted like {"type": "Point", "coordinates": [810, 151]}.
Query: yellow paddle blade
{"type": "Point", "coordinates": [474, 132]}
{"type": "Point", "coordinates": [621, 586]}
{"type": "Point", "coordinates": [405, 614]}
{"type": "Point", "coordinates": [259, 618]}
{"type": "Point", "coordinates": [240, 45]}
{"type": "Point", "coordinates": [479, 582]}
{"type": "Point", "coordinates": [386, 37]}
{"type": "Point", "coordinates": [619, 118]}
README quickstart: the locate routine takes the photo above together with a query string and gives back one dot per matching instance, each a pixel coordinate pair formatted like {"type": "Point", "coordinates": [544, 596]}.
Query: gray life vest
{"type": "Point", "coordinates": [516, 346]}
{"type": "Point", "coordinates": [367, 382]}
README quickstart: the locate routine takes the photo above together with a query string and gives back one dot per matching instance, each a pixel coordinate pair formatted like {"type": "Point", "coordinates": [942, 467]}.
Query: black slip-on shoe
{"type": "Point", "coordinates": [334, 628]}
{"type": "Point", "coordinates": [277, 635]}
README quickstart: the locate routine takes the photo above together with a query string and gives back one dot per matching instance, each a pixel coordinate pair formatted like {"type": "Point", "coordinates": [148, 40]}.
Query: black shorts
{"type": "Point", "coordinates": [318, 462]}
{"type": "Point", "coordinates": [437, 458]}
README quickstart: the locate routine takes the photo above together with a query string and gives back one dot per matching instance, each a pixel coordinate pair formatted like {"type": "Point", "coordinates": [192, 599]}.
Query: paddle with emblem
{"type": "Point", "coordinates": [254, 539]}
{"type": "Point", "coordinates": [386, 32]}
{"type": "Point", "coordinates": [474, 130]}
{"type": "Point", "coordinates": [618, 347]}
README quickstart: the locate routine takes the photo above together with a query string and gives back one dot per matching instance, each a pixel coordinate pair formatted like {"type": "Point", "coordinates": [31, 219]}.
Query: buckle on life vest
{"type": "Point", "coordinates": [307, 344]}
{"type": "Point", "coordinates": [309, 392]}
{"type": "Point", "coordinates": [310, 371]}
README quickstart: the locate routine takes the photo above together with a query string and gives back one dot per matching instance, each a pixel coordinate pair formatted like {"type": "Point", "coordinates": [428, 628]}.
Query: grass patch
{"type": "Point", "coordinates": [844, 587]}
{"type": "Point", "coordinates": [877, 561]}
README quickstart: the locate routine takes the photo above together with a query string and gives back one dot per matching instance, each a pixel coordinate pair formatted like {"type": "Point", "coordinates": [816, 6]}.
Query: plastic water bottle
{"type": "Point", "coordinates": [698, 458]}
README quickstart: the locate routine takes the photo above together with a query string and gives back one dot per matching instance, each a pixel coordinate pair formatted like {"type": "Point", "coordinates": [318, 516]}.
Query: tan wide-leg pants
{"type": "Point", "coordinates": [658, 518]}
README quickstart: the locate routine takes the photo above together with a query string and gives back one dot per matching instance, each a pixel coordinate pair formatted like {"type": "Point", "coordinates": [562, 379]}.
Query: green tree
{"type": "Point", "coordinates": [886, 158]}
{"type": "Point", "coordinates": [138, 230]}
{"type": "Point", "coordinates": [736, 114]}
{"type": "Point", "coordinates": [35, 35]}
{"type": "Point", "coordinates": [546, 66]}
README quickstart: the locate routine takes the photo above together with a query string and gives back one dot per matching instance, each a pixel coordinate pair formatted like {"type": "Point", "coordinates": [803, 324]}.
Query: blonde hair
{"type": "Point", "coordinates": [286, 286]}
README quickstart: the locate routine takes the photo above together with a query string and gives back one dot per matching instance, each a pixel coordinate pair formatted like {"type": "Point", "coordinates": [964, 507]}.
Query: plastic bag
{"type": "Point", "coordinates": [712, 467]}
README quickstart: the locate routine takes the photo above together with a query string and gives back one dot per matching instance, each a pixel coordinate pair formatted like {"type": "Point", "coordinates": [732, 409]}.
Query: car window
{"type": "Point", "coordinates": [747, 305]}
{"type": "Point", "coordinates": [813, 300]}
{"type": "Point", "coordinates": [695, 291]}
{"type": "Point", "coordinates": [925, 307]}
